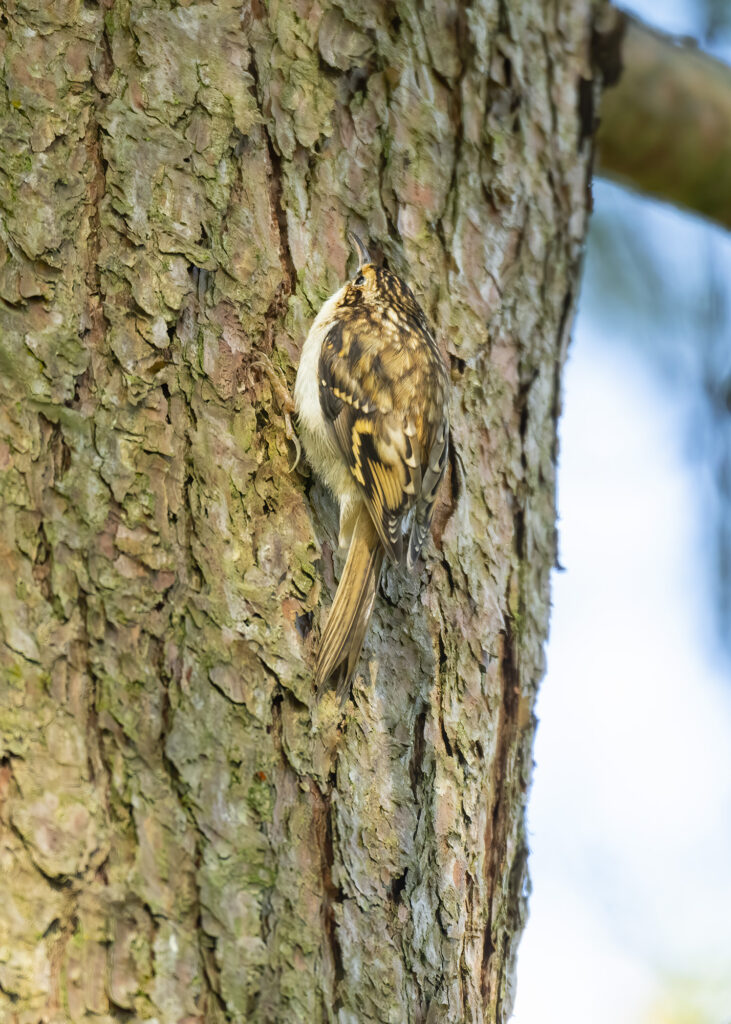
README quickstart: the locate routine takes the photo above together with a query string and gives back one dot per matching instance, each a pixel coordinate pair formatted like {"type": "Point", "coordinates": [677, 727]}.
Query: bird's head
{"type": "Point", "coordinates": [372, 286]}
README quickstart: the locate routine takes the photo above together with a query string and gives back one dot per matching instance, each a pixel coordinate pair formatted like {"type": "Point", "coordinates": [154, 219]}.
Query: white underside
{"type": "Point", "coordinates": [321, 449]}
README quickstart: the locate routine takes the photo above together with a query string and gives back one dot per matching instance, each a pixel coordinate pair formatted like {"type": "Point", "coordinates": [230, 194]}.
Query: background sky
{"type": "Point", "coordinates": [630, 810]}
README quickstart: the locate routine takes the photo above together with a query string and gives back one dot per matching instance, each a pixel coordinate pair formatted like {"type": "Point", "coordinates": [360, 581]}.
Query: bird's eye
{"type": "Point", "coordinates": [359, 280]}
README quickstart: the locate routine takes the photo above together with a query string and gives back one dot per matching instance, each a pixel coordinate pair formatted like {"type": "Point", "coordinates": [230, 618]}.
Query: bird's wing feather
{"type": "Point", "coordinates": [379, 444]}
{"type": "Point", "coordinates": [383, 388]}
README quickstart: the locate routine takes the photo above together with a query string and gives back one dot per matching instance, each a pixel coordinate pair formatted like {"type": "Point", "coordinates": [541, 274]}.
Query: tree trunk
{"type": "Point", "coordinates": [183, 838]}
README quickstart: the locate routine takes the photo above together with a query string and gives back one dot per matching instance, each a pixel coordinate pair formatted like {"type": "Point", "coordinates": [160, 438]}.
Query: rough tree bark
{"type": "Point", "coordinates": [180, 839]}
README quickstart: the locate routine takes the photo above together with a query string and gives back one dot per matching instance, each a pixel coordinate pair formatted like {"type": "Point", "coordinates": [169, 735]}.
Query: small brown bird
{"type": "Point", "coordinates": [371, 396]}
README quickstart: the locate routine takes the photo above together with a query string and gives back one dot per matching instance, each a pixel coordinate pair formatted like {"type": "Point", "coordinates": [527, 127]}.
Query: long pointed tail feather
{"type": "Point", "coordinates": [346, 627]}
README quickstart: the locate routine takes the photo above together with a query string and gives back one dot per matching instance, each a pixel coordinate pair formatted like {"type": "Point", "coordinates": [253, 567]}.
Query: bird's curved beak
{"type": "Point", "coordinates": [363, 254]}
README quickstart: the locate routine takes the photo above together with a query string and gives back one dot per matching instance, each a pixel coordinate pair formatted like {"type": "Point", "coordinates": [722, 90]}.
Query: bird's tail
{"type": "Point", "coordinates": [345, 631]}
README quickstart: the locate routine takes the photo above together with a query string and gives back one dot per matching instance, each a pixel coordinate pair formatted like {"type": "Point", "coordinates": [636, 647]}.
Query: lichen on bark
{"type": "Point", "coordinates": [182, 837]}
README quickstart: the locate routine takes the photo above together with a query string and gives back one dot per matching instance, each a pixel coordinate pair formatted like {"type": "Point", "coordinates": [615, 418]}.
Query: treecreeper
{"type": "Point", "coordinates": [371, 397]}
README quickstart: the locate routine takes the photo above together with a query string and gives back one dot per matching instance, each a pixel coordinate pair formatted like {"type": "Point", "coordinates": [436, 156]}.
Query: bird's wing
{"type": "Point", "coordinates": [380, 443]}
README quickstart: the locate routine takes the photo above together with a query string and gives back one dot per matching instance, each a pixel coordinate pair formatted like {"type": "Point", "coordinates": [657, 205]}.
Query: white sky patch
{"type": "Point", "coordinates": [630, 813]}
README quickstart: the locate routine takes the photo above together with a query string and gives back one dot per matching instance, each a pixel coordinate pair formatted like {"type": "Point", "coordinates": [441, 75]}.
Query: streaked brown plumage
{"type": "Point", "coordinates": [371, 395]}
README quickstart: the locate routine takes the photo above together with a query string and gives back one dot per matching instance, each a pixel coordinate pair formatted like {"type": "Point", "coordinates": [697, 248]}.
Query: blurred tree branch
{"type": "Point", "coordinates": [665, 117]}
